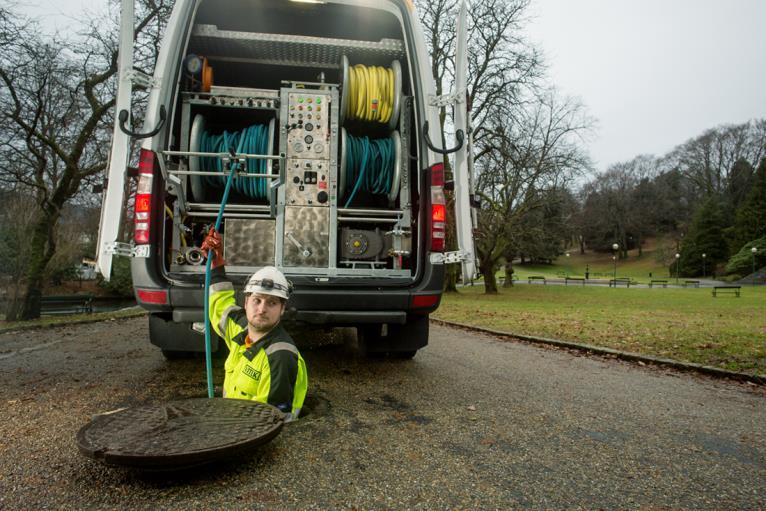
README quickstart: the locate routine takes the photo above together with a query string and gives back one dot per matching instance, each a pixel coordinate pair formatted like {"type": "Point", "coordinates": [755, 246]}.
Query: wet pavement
{"type": "Point", "coordinates": [470, 422]}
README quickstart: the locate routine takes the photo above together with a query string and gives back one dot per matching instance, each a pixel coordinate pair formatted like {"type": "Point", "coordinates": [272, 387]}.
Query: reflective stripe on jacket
{"type": "Point", "coordinates": [271, 370]}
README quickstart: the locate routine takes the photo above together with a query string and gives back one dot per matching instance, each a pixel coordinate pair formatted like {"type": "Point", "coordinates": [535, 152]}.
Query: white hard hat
{"type": "Point", "coordinates": [269, 281]}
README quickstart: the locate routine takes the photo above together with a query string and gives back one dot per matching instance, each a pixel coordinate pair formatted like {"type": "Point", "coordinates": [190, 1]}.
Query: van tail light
{"type": "Point", "coordinates": [425, 301]}
{"type": "Point", "coordinates": [438, 208]}
{"type": "Point", "coordinates": [143, 208]}
{"type": "Point", "coordinates": [155, 296]}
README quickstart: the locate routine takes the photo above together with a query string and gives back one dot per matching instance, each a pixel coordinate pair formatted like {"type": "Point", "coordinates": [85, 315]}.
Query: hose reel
{"type": "Point", "coordinates": [254, 139]}
{"type": "Point", "coordinates": [369, 165]}
{"type": "Point", "coordinates": [371, 93]}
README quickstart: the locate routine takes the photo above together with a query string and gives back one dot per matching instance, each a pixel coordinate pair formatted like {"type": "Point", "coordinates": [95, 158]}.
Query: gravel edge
{"type": "Point", "coordinates": [64, 322]}
{"type": "Point", "coordinates": [623, 355]}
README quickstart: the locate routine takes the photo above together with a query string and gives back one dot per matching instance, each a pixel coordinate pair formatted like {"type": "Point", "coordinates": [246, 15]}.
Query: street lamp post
{"type": "Point", "coordinates": [678, 260]}
{"type": "Point", "coordinates": [567, 268]}
{"type": "Point", "coordinates": [615, 247]}
{"type": "Point", "coordinates": [753, 251]}
{"type": "Point", "coordinates": [704, 256]}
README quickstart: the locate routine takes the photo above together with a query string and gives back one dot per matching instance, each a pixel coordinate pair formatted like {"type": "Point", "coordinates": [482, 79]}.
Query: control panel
{"type": "Point", "coordinates": [308, 146]}
{"type": "Point", "coordinates": [308, 135]}
{"type": "Point", "coordinates": [308, 183]}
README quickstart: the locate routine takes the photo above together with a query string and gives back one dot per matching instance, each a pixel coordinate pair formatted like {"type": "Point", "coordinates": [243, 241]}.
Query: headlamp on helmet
{"type": "Point", "coordinates": [269, 281]}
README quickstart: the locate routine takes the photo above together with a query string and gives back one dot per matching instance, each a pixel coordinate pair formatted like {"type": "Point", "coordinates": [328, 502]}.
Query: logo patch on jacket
{"type": "Point", "coordinates": [252, 373]}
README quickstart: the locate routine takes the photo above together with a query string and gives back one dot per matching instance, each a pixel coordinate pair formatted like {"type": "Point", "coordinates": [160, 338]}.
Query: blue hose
{"type": "Point", "coordinates": [252, 140]}
{"type": "Point", "coordinates": [369, 164]}
{"type": "Point", "coordinates": [208, 356]}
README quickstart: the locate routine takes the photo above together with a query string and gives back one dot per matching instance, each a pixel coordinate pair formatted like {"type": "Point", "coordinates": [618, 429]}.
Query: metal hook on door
{"type": "Point", "coordinates": [123, 117]}
{"type": "Point", "coordinates": [458, 135]}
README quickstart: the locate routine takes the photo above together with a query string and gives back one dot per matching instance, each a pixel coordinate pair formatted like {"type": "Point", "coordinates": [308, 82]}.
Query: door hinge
{"type": "Point", "coordinates": [448, 257]}
{"type": "Point", "coordinates": [141, 79]}
{"type": "Point", "coordinates": [127, 249]}
{"type": "Point", "coordinates": [448, 99]}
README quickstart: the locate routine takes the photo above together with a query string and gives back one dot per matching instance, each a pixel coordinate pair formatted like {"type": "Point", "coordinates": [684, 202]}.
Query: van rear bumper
{"type": "Point", "coordinates": [316, 305]}
{"type": "Point", "coordinates": [191, 315]}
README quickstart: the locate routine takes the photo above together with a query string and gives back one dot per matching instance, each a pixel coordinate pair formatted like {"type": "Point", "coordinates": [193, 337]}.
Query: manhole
{"type": "Point", "coordinates": [179, 434]}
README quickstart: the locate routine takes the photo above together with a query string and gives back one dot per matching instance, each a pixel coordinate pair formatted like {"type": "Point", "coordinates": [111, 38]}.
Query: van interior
{"type": "Point", "coordinates": [319, 97]}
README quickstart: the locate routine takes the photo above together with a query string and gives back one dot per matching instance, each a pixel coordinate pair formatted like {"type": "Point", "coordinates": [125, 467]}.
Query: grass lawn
{"type": "Point", "coordinates": [682, 324]}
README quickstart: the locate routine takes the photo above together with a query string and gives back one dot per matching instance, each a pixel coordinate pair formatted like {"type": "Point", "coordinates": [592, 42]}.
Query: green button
{"type": "Point", "coordinates": [319, 100]}
{"type": "Point", "coordinates": [300, 100]}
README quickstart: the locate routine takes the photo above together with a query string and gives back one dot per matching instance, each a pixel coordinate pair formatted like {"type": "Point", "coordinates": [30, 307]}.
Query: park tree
{"type": "Point", "coordinates": [502, 69]}
{"type": "Point", "coordinates": [705, 236]}
{"type": "Point", "coordinates": [739, 184]}
{"type": "Point", "coordinates": [56, 104]}
{"type": "Point", "coordinates": [708, 160]}
{"type": "Point", "coordinates": [540, 151]}
{"type": "Point", "coordinates": [750, 222]}
{"type": "Point", "coordinates": [609, 209]}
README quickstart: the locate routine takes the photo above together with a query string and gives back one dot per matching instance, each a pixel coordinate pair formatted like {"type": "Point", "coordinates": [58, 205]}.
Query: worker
{"type": "Point", "coordinates": [263, 363]}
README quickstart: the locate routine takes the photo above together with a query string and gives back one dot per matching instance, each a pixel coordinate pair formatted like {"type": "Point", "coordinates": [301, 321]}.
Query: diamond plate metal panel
{"type": "Point", "coordinates": [248, 242]}
{"type": "Point", "coordinates": [288, 50]}
{"type": "Point", "coordinates": [307, 237]}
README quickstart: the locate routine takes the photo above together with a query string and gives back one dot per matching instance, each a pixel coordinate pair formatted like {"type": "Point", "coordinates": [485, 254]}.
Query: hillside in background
{"type": "Point", "coordinates": [654, 262]}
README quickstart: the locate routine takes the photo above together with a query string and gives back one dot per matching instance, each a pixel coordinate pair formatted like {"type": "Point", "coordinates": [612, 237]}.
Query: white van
{"type": "Point", "coordinates": [326, 112]}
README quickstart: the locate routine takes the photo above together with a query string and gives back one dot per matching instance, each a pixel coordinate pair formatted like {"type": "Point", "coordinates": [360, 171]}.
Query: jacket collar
{"type": "Point", "coordinates": [271, 336]}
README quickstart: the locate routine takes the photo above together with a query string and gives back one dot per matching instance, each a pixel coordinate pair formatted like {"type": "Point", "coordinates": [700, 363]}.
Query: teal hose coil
{"type": "Point", "coordinates": [369, 165]}
{"type": "Point", "coordinates": [252, 140]}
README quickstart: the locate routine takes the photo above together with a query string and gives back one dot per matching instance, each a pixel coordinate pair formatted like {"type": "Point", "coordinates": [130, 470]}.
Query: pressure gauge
{"type": "Point", "coordinates": [193, 64]}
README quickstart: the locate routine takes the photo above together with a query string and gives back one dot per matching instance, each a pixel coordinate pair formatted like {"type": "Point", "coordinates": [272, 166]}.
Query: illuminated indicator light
{"type": "Point", "coordinates": [439, 213]}
{"type": "Point", "coordinates": [319, 100]}
{"type": "Point", "coordinates": [143, 202]}
{"type": "Point", "coordinates": [300, 100]}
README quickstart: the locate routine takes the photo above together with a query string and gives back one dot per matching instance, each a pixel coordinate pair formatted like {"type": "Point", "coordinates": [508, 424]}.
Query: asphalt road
{"type": "Point", "coordinates": [471, 422]}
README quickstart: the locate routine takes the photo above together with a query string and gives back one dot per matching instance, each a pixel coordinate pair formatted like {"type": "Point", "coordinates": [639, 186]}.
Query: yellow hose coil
{"type": "Point", "coordinates": [371, 93]}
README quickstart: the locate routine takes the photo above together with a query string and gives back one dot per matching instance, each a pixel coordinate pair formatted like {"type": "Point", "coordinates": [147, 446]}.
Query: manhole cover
{"type": "Point", "coordinates": [179, 434]}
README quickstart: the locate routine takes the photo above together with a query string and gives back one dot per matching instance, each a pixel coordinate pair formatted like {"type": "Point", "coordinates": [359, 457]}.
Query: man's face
{"type": "Point", "coordinates": [263, 311]}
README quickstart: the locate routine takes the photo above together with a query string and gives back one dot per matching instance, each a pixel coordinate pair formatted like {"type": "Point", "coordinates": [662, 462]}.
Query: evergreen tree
{"type": "Point", "coordinates": [750, 220]}
{"type": "Point", "coordinates": [705, 236]}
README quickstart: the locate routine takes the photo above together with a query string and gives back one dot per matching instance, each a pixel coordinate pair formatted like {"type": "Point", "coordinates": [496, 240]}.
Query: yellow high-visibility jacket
{"type": "Point", "coordinates": [271, 370]}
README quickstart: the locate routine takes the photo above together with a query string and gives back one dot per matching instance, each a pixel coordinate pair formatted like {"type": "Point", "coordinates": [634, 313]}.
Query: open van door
{"type": "Point", "coordinates": [114, 195]}
{"type": "Point", "coordinates": [463, 166]}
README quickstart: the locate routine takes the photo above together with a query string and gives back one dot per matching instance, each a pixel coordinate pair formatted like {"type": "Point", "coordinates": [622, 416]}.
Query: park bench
{"type": "Point", "coordinates": [574, 279]}
{"type": "Point", "coordinates": [535, 277]}
{"type": "Point", "coordinates": [693, 283]}
{"type": "Point", "coordinates": [663, 283]}
{"type": "Point", "coordinates": [70, 304]}
{"type": "Point", "coordinates": [726, 289]}
{"type": "Point", "coordinates": [617, 282]}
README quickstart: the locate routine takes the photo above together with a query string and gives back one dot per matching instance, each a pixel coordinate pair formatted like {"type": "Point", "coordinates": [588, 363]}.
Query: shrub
{"type": "Point", "coordinates": [742, 261]}
{"type": "Point", "coordinates": [121, 283]}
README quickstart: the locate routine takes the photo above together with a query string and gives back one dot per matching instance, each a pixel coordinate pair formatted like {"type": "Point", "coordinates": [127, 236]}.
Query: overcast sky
{"type": "Point", "coordinates": [653, 72]}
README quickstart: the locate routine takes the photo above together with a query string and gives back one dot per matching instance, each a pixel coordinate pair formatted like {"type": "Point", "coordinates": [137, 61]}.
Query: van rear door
{"type": "Point", "coordinates": [463, 157]}
{"type": "Point", "coordinates": [114, 195]}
